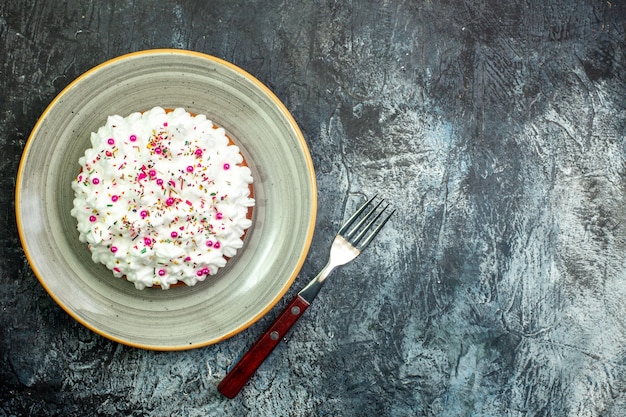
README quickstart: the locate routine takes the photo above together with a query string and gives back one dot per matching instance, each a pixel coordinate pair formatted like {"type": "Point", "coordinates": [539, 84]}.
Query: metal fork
{"type": "Point", "coordinates": [347, 245]}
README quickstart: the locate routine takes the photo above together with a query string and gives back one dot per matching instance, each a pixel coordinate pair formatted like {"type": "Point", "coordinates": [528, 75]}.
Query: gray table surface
{"type": "Point", "coordinates": [496, 128]}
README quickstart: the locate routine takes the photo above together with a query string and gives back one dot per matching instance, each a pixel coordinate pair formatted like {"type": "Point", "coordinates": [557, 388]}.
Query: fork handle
{"type": "Point", "coordinates": [250, 362]}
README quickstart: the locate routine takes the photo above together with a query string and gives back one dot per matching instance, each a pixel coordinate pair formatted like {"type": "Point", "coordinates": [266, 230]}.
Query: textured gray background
{"type": "Point", "coordinates": [496, 128]}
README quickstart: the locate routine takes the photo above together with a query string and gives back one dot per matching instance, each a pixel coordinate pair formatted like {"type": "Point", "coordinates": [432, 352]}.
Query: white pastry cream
{"type": "Point", "coordinates": [162, 197]}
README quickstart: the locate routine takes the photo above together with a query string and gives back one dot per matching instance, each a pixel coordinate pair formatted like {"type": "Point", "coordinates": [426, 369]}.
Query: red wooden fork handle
{"type": "Point", "coordinates": [249, 363]}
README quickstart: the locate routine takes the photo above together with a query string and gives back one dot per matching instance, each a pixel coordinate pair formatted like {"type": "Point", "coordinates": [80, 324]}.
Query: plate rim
{"type": "Point", "coordinates": [276, 102]}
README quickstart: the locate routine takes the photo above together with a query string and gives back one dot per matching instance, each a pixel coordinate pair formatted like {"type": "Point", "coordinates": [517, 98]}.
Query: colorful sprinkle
{"type": "Point", "coordinates": [114, 198]}
{"type": "Point", "coordinates": [92, 218]}
{"type": "Point", "coordinates": [189, 168]}
{"type": "Point", "coordinates": [132, 138]}
{"type": "Point", "coordinates": [174, 234]}
{"type": "Point", "coordinates": [219, 216]}
{"type": "Point", "coordinates": [143, 214]}
{"type": "Point", "coordinates": [111, 141]}
{"type": "Point", "coordinates": [170, 201]}
{"type": "Point", "coordinates": [217, 245]}
{"type": "Point", "coordinates": [147, 241]}
{"type": "Point", "coordinates": [95, 181]}
{"type": "Point", "coordinates": [226, 166]}
{"type": "Point", "coordinates": [113, 249]}
{"type": "Point", "coordinates": [198, 152]}
{"type": "Point", "coordinates": [161, 272]}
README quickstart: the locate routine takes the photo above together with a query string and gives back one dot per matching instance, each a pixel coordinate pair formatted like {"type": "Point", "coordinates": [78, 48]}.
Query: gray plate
{"type": "Point", "coordinates": [275, 247]}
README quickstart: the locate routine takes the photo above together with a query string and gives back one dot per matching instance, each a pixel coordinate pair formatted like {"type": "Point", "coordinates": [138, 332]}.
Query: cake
{"type": "Point", "coordinates": [162, 197]}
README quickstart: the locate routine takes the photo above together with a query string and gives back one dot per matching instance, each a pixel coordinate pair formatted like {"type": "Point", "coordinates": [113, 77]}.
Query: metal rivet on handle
{"type": "Point", "coordinates": [274, 335]}
{"type": "Point", "coordinates": [295, 310]}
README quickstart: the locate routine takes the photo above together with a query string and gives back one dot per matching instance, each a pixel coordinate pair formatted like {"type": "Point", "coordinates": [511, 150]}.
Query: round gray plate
{"type": "Point", "coordinates": [283, 219]}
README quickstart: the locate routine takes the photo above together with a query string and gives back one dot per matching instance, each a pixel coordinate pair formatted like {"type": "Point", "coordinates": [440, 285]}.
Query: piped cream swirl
{"type": "Point", "coordinates": [162, 197]}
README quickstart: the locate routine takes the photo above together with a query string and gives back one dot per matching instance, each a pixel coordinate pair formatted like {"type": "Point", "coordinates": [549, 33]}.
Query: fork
{"type": "Point", "coordinates": [347, 245]}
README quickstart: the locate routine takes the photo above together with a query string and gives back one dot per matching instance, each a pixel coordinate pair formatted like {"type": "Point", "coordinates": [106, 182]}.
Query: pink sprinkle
{"type": "Point", "coordinates": [161, 272]}
{"type": "Point", "coordinates": [172, 183]}
{"type": "Point", "coordinates": [143, 214]}
{"type": "Point", "coordinates": [95, 181]}
{"type": "Point", "coordinates": [152, 173]}
{"type": "Point", "coordinates": [92, 218]}
{"type": "Point", "coordinates": [174, 234]}
{"type": "Point", "coordinates": [116, 269]}
{"type": "Point", "coordinates": [187, 259]}
{"type": "Point", "coordinates": [199, 272]}
{"type": "Point", "coordinates": [157, 150]}
{"type": "Point", "coordinates": [219, 216]}
{"type": "Point", "coordinates": [111, 141]}
{"type": "Point", "coordinates": [217, 245]}
{"type": "Point", "coordinates": [189, 168]}
{"type": "Point", "coordinates": [165, 124]}
{"type": "Point", "coordinates": [133, 138]}
{"type": "Point", "coordinates": [114, 198]}
{"type": "Point", "coordinates": [147, 241]}
{"type": "Point", "coordinates": [209, 243]}
{"type": "Point", "coordinates": [113, 249]}
{"type": "Point", "coordinates": [205, 270]}
{"type": "Point", "coordinates": [159, 181]}
{"type": "Point", "coordinates": [226, 166]}
{"type": "Point", "coordinates": [142, 175]}
{"type": "Point", "coordinates": [80, 178]}
{"type": "Point", "coordinates": [189, 203]}
{"type": "Point", "coordinates": [108, 153]}
{"type": "Point", "coordinates": [198, 152]}
{"type": "Point", "coordinates": [169, 201]}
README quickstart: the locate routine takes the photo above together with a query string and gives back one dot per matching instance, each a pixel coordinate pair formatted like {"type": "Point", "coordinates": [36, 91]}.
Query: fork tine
{"type": "Point", "coordinates": [352, 218]}
{"type": "Point", "coordinates": [366, 229]}
{"type": "Point", "coordinates": [360, 230]}
{"type": "Point", "coordinates": [360, 224]}
{"type": "Point", "coordinates": [373, 233]}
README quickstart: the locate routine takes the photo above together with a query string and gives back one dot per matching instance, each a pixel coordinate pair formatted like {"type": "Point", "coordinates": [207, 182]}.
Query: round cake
{"type": "Point", "coordinates": [162, 197]}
